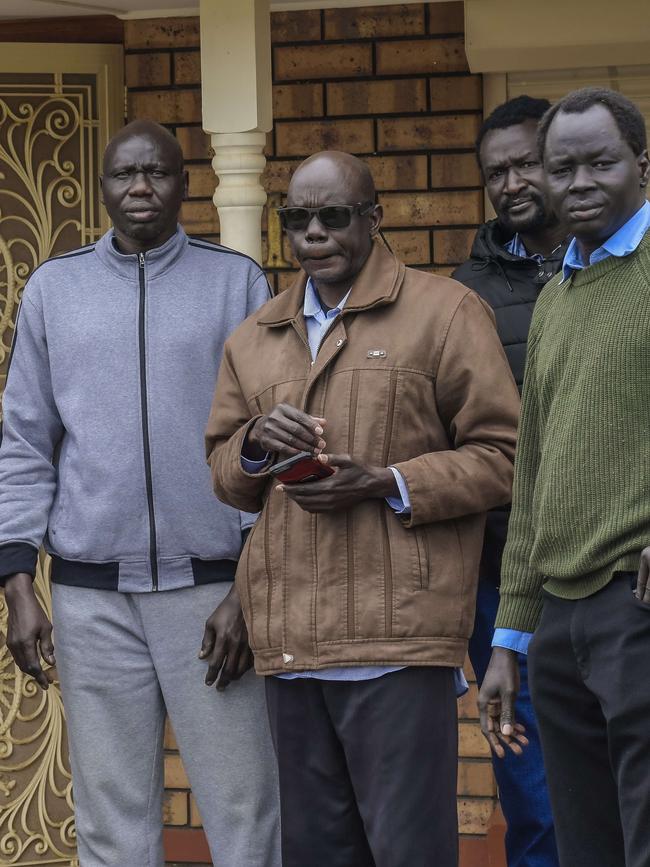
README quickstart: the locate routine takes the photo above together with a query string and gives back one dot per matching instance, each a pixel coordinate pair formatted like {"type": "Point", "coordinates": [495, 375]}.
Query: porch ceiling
{"type": "Point", "coordinates": [21, 9]}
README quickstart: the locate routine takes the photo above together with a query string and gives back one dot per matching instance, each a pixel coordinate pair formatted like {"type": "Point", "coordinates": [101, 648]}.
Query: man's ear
{"type": "Point", "coordinates": [101, 189]}
{"type": "Point", "coordinates": [376, 216]}
{"type": "Point", "coordinates": [644, 168]}
{"type": "Point", "coordinates": [186, 184]}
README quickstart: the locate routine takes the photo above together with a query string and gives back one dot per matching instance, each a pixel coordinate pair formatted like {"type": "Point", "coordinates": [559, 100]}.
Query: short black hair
{"type": "Point", "coordinates": [627, 116]}
{"type": "Point", "coordinates": [511, 113]}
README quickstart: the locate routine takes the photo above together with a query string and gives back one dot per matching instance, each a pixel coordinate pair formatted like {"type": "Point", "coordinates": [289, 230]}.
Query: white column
{"type": "Point", "coordinates": [237, 112]}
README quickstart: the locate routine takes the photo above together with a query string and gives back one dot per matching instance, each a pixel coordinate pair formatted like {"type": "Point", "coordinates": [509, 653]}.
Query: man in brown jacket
{"type": "Point", "coordinates": [358, 590]}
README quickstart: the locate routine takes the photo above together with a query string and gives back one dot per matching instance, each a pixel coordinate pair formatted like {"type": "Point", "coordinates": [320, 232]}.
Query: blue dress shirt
{"type": "Point", "coordinates": [621, 243]}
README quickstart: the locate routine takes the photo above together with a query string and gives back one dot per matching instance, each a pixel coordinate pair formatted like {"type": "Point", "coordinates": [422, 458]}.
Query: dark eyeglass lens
{"type": "Point", "coordinates": [331, 216]}
{"type": "Point", "coordinates": [335, 216]}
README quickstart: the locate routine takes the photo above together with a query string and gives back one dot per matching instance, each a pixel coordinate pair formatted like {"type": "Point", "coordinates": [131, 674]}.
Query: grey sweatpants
{"type": "Point", "coordinates": [122, 659]}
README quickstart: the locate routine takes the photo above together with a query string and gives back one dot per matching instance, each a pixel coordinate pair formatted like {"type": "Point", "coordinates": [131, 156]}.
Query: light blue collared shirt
{"type": "Point", "coordinates": [622, 243]}
{"type": "Point", "coordinates": [318, 322]}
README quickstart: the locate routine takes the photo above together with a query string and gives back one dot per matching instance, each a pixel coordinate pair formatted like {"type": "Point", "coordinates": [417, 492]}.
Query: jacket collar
{"type": "Point", "coordinates": [378, 283]}
{"type": "Point", "coordinates": [157, 261]}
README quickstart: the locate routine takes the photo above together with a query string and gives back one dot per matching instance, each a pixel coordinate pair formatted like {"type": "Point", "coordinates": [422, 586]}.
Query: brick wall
{"type": "Point", "coordinates": [391, 84]}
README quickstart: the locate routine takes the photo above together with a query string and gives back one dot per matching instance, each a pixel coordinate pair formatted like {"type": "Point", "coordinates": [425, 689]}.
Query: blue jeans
{"type": "Point", "coordinates": [530, 838]}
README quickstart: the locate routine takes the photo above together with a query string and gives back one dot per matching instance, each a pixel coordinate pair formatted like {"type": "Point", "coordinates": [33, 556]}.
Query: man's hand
{"type": "Point", "coordinates": [351, 483]}
{"type": "Point", "coordinates": [496, 704]}
{"type": "Point", "coordinates": [225, 643]}
{"type": "Point", "coordinates": [286, 431]}
{"type": "Point", "coordinates": [642, 591]}
{"type": "Point", "coordinates": [28, 629]}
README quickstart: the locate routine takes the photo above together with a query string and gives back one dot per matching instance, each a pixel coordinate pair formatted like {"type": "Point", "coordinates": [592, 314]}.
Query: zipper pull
{"type": "Point", "coordinates": [141, 259]}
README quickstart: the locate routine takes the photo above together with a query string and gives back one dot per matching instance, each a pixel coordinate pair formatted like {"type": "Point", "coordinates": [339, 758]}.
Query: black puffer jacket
{"type": "Point", "coordinates": [511, 286]}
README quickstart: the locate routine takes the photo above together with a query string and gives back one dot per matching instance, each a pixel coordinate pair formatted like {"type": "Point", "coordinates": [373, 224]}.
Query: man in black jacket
{"type": "Point", "coordinates": [512, 258]}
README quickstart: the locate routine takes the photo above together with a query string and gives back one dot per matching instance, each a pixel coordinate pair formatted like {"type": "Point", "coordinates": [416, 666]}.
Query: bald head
{"type": "Point", "coordinates": [146, 129]}
{"type": "Point", "coordinates": [342, 168]}
{"type": "Point", "coordinates": [332, 247]}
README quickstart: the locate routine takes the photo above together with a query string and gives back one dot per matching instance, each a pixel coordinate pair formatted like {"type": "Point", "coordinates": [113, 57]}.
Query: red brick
{"type": "Point", "coordinates": [175, 808]}
{"type": "Point", "coordinates": [476, 778]}
{"type": "Point", "coordinates": [422, 55]}
{"type": "Point", "coordinates": [474, 852]}
{"type": "Point", "coordinates": [277, 175]}
{"type": "Point", "coordinates": [170, 740]}
{"type": "Point", "coordinates": [186, 845]}
{"type": "Point", "coordinates": [400, 172]}
{"type": "Point", "coordinates": [299, 26]}
{"type": "Point", "coordinates": [474, 815]}
{"type": "Point", "coordinates": [377, 97]}
{"type": "Point", "coordinates": [199, 218]}
{"type": "Point", "coordinates": [162, 33]}
{"type": "Point", "coordinates": [457, 93]}
{"type": "Point", "coordinates": [323, 61]}
{"type": "Point", "coordinates": [297, 100]}
{"type": "Point", "coordinates": [412, 248]}
{"type": "Point", "coordinates": [175, 776]}
{"type": "Point", "coordinates": [440, 131]}
{"type": "Point", "coordinates": [166, 106]}
{"type": "Point", "coordinates": [147, 70]}
{"type": "Point", "coordinates": [467, 704]}
{"type": "Point", "coordinates": [187, 67]}
{"type": "Point", "coordinates": [202, 181]}
{"type": "Point", "coordinates": [370, 22]}
{"type": "Point", "coordinates": [308, 137]}
{"type": "Point", "coordinates": [446, 17]}
{"type": "Point", "coordinates": [471, 743]}
{"type": "Point", "coordinates": [432, 209]}
{"type": "Point", "coordinates": [452, 246]}
{"type": "Point", "coordinates": [286, 279]}
{"type": "Point", "coordinates": [454, 170]}
{"type": "Point", "coordinates": [195, 816]}
{"type": "Point", "coordinates": [194, 142]}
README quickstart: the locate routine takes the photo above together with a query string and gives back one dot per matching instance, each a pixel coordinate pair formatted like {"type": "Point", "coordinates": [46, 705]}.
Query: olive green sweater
{"type": "Point", "coordinates": [581, 498]}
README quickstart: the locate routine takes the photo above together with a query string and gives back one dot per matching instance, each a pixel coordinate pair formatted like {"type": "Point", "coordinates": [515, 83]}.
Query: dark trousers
{"type": "Point", "coordinates": [588, 666]}
{"type": "Point", "coordinates": [530, 838]}
{"type": "Point", "coordinates": [367, 769]}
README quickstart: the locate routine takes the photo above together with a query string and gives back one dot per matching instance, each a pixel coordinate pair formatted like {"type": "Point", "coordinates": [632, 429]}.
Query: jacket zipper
{"type": "Point", "coordinates": [153, 553]}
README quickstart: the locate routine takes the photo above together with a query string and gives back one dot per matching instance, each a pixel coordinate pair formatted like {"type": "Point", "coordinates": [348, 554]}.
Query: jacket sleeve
{"type": "Point", "coordinates": [478, 404]}
{"type": "Point", "coordinates": [229, 422]}
{"type": "Point", "coordinates": [31, 430]}
{"type": "Point", "coordinates": [521, 597]}
{"type": "Point", "coordinates": [259, 293]}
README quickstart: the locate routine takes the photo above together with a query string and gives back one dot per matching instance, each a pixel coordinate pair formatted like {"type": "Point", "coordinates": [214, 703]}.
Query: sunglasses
{"type": "Point", "coordinates": [330, 216]}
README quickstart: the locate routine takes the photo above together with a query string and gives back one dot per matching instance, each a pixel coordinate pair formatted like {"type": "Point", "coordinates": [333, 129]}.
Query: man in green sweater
{"type": "Point", "coordinates": [576, 566]}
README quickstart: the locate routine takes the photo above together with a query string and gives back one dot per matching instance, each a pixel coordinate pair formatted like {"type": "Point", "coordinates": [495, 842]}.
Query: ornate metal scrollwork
{"type": "Point", "coordinates": [48, 204]}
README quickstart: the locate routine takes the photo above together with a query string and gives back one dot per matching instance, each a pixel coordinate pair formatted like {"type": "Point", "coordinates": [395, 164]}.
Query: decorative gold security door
{"type": "Point", "coordinates": [58, 105]}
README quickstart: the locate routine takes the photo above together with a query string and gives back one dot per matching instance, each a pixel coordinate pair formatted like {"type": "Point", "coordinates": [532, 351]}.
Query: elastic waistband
{"type": "Point", "coordinates": [130, 578]}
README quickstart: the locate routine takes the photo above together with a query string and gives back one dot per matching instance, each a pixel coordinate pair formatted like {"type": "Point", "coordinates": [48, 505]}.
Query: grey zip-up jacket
{"type": "Point", "coordinates": [110, 382]}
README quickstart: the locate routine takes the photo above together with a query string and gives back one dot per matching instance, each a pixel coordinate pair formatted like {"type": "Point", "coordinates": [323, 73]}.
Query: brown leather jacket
{"type": "Point", "coordinates": [411, 375]}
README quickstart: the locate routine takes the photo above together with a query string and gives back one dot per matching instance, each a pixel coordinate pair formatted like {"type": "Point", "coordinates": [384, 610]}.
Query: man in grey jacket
{"type": "Point", "coordinates": [115, 355]}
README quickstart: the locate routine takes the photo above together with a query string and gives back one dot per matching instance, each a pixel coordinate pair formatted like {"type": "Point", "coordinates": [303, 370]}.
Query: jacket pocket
{"type": "Point", "coordinates": [422, 550]}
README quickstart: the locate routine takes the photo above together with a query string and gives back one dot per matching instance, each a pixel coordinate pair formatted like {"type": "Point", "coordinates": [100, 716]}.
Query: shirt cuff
{"type": "Point", "coordinates": [400, 505]}
{"type": "Point", "coordinates": [512, 639]}
{"type": "Point", "coordinates": [253, 467]}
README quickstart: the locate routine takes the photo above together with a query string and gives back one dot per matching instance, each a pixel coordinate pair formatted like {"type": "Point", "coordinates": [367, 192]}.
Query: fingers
{"type": "Point", "coordinates": [489, 712]}
{"type": "Point", "coordinates": [215, 662]}
{"type": "Point", "coordinates": [642, 587]}
{"type": "Point", "coordinates": [207, 643]}
{"type": "Point", "coordinates": [47, 647]}
{"type": "Point", "coordinates": [32, 666]}
{"type": "Point", "coordinates": [289, 430]}
{"type": "Point", "coordinates": [229, 669]}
